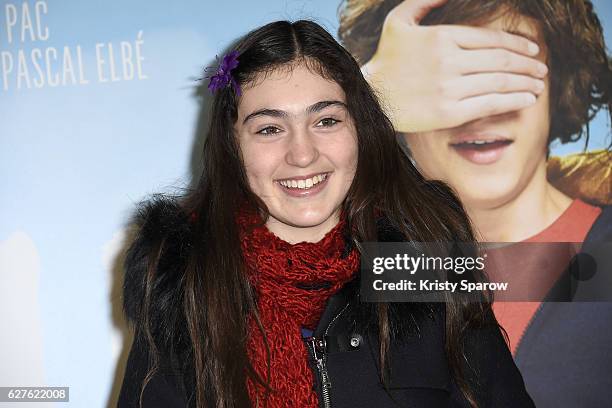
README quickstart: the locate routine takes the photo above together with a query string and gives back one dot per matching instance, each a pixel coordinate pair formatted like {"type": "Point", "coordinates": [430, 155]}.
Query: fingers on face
{"type": "Point", "coordinates": [480, 37]}
{"type": "Point", "coordinates": [498, 60]}
{"type": "Point", "coordinates": [493, 104]}
{"type": "Point", "coordinates": [499, 82]}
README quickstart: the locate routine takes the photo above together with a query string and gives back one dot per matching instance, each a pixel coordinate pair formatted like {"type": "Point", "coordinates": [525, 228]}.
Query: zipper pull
{"type": "Point", "coordinates": [318, 347]}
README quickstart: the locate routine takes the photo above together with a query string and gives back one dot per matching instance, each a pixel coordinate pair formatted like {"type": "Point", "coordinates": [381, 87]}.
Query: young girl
{"type": "Point", "coordinates": [244, 292]}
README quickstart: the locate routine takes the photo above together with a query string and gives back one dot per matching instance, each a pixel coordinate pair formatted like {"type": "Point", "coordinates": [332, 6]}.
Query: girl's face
{"type": "Point", "coordinates": [299, 148]}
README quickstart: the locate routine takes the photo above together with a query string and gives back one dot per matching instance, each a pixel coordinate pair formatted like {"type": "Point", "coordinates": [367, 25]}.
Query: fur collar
{"type": "Point", "coordinates": [160, 219]}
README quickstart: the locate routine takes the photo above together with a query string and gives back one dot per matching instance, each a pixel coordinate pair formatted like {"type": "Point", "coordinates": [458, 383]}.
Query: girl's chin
{"type": "Point", "coordinates": [310, 222]}
{"type": "Point", "coordinates": [301, 218]}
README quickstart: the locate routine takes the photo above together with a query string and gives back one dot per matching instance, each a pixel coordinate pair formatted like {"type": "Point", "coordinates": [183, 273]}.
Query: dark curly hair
{"type": "Point", "coordinates": [580, 70]}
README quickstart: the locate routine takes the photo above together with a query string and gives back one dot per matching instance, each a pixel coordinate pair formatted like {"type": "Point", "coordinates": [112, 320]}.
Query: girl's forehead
{"type": "Point", "coordinates": [281, 89]}
{"type": "Point", "coordinates": [285, 72]}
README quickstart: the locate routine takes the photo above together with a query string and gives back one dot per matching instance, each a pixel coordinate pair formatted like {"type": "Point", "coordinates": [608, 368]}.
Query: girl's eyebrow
{"type": "Point", "coordinates": [315, 107]}
{"type": "Point", "coordinates": [319, 106]}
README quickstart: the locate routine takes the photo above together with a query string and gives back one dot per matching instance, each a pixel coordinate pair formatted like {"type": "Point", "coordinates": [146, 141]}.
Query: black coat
{"type": "Point", "coordinates": [344, 343]}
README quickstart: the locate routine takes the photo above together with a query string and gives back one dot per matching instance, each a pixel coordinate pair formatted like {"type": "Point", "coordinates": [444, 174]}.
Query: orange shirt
{"type": "Point", "coordinates": [572, 226]}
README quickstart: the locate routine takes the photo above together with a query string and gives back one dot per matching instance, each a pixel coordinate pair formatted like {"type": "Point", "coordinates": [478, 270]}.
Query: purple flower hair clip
{"type": "Point", "coordinates": [223, 77]}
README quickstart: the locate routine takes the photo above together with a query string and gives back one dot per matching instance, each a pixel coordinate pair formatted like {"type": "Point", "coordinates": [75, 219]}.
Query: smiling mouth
{"type": "Point", "coordinates": [482, 144]}
{"type": "Point", "coordinates": [303, 183]}
{"type": "Point", "coordinates": [481, 150]}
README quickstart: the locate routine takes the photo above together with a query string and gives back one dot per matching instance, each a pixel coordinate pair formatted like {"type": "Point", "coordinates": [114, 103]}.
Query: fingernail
{"type": "Point", "coordinates": [542, 69]}
{"type": "Point", "coordinates": [530, 99]}
{"type": "Point", "coordinates": [539, 86]}
{"type": "Point", "coordinates": [533, 48]}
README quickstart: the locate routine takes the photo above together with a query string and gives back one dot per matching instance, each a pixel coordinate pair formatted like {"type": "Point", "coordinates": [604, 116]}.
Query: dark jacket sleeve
{"type": "Point", "coordinates": [164, 389]}
{"type": "Point", "coordinates": [491, 372]}
{"type": "Point", "coordinates": [159, 223]}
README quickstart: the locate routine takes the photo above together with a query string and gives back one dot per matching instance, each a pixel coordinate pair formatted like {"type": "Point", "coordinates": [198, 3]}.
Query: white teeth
{"type": "Point", "coordinates": [304, 184]}
{"type": "Point", "coordinates": [480, 142]}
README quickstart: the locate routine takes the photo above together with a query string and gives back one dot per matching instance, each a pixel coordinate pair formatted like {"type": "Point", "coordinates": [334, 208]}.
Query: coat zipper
{"type": "Point", "coordinates": [317, 347]}
{"type": "Point", "coordinates": [317, 350]}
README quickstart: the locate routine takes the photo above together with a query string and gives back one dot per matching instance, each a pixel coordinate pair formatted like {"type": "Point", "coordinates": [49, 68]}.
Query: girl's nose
{"type": "Point", "coordinates": [302, 149]}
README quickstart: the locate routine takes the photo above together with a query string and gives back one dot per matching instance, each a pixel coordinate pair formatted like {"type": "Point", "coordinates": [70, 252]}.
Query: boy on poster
{"type": "Point", "coordinates": [480, 90]}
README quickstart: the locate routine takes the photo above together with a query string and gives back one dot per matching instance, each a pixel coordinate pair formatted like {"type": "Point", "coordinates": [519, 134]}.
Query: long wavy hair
{"type": "Point", "coordinates": [216, 296]}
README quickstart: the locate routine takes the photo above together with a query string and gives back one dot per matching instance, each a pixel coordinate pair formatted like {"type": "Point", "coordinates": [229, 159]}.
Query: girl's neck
{"type": "Point", "coordinates": [294, 234]}
{"type": "Point", "coordinates": [536, 207]}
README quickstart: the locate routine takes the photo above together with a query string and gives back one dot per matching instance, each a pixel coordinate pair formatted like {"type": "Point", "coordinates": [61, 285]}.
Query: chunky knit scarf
{"type": "Point", "coordinates": [292, 284]}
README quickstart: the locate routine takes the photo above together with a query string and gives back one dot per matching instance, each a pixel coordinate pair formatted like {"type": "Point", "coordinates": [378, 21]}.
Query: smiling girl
{"type": "Point", "coordinates": [244, 291]}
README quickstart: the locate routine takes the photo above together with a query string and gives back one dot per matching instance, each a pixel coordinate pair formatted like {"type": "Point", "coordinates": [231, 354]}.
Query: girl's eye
{"type": "Point", "coordinates": [268, 130]}
{"type": "Point", "coordinates": [328, 122]}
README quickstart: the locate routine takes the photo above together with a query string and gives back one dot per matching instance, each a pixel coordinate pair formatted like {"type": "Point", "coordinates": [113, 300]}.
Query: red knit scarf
{"type": "Point", "coordinates": [292, 284]}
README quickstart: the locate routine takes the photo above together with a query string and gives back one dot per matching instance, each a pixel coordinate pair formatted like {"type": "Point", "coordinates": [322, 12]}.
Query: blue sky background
{"type": "Point", "coordinates": [75, 159]}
